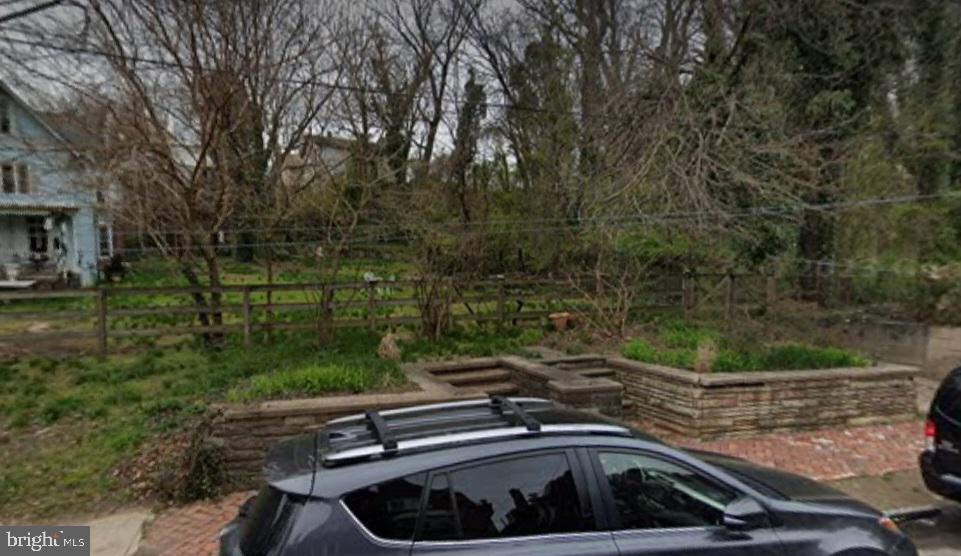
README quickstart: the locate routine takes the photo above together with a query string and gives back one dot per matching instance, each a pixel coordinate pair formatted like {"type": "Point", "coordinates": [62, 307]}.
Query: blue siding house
{"type": "Point", "coordinates": [52, 227]}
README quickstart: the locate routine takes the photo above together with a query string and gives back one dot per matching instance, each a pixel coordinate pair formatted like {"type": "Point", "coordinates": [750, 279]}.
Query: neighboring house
{"type": "Point", "coordinates": [322, 158]}
{"type": "Point", "coordinates": [50, 223]}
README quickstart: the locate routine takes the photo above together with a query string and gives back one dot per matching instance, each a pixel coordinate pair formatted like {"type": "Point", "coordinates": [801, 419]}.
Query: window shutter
{"type": "Point", "coordinates": [23, 178]}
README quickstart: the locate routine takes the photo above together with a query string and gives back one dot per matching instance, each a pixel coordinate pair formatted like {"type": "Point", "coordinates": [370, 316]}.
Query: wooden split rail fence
{"type": "Point", "coordinates": [113, 313]}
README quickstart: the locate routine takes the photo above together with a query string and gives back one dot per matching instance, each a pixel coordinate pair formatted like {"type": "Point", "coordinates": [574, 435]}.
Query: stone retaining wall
{"type": "Point", "coordinates": [934, 349]}
{"type": "Point", "coordinates": [710, 405]}
{"type": "Point", "coordinates": [246, 432]}
{"type": "Point", "coordinates": [536, 379]}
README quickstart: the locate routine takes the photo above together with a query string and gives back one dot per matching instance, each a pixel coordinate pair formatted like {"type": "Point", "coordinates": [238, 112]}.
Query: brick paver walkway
{"type": "Point", "coordinates": [831, 454]}
{"type": "Point", "coordinates": [190, 530]}
{"type": "Point", "coordinates": [824, 455]}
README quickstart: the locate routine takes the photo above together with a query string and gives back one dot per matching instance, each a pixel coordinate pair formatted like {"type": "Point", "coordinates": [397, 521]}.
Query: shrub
{"type": "Point", "coordinates": [799, 356]}
{"type": "Point", "coordinates": [680, 335]}
{"type": "Point", "coordinates": [195, 473]}
{"type": "Point", "coordinates": [640, 350]}
{"type": "Point", "coordinates": [729, 361]}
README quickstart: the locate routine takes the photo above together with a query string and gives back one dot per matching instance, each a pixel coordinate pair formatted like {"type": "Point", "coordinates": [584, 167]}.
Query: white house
{"type": "Point", "coordinates": [51, 225]}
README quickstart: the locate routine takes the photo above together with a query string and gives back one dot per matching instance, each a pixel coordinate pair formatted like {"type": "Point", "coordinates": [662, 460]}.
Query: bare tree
{"type": "Point", "coordinates": [205, 102]}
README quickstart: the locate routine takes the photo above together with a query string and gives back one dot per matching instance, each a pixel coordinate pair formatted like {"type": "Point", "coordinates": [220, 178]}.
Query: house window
{"type": "Point", "coordinates": [23, 179]}
{"type": "Point", "coordinates": [6, 120]}
{"type": "Point", "coordinates": [37, 235]}
{"type": "Point", "coordinates": [9, 179]}
{"type": "Point", "coordinates": [103, 238]}
{"type": "Point", "coordinates": [16, 178]}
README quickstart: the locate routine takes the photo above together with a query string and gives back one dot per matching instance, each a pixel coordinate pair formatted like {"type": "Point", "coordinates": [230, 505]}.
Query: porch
{"type": "Point", "coordinates": [36, 247]}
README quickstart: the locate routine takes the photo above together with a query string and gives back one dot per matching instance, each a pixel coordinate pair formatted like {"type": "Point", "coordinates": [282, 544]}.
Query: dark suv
{"type": "Point", "coordinates": [941, 459]}
{"type": "Point", "coordinates": [522, 476]}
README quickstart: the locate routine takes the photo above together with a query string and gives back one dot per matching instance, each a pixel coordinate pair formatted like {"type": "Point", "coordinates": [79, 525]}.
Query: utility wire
{"type": "Point", "coordinates": [641, 218]}
{"type": "Point", "coordinates": [560, 225]}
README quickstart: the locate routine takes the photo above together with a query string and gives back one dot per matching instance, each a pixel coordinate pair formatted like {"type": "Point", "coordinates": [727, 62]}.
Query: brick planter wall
{"type": "Point", "coordinates": [710, 405]}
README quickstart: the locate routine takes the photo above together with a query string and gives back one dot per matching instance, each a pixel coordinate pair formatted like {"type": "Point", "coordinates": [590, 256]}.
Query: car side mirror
{"type": "Point", "coordinates": [744, 514]}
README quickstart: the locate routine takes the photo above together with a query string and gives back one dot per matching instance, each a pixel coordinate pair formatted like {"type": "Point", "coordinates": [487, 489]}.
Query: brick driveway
{"type": "Point", "coordinates": [824, 455]}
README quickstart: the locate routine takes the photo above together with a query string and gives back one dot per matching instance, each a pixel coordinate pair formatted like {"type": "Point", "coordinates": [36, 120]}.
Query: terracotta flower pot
{"type": "Point", "coordinates": [561, 321]}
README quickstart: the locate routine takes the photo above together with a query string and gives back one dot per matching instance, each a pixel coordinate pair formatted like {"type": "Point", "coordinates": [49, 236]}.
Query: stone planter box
{"type": "Point", "coordinates": [732, 404]}
{"type": "Point", "coordinates": [246, 432]}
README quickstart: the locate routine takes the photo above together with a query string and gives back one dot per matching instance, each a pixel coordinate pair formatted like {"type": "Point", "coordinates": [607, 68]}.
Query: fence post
{"type": "Point", "coordinates": [371, 304]}
{"type": "Point", "coordinates": [501, 307]}
{"type": "Point", "coordinates": [689, 292]}
{"type": "Point", "coordinates": [101, 322]}
{"type": "Point", "coordinates": [770, 290]}
{"type": "Point", "coordinates": [247, 316]}
{"type": "Point", "coordinates": [729, 297]}
{"type": "Point", "coordinates": [449, 294]}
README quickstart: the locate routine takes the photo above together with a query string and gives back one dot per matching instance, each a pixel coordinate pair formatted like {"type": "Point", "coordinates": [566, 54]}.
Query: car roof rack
{"type": "Point", "coordinates": [500, 403]}
{"type": "Point", "coordinates": [392, 432]}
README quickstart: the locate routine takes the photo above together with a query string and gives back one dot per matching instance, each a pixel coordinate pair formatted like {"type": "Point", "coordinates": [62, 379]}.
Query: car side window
{"type": "Point", "coordinates": [650, 493]}
{"type": "Point", "coordinates": [533, 495]}
{"type": "Point", "coordinates": [389, 510]}
{"type": "Point", "coordinates": [439, 521]}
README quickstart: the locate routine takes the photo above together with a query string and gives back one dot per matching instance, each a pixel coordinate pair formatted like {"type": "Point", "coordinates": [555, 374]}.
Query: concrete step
{"type": "Point", "coordinates": [474, 377]}
{"type": "Point", "coordinates": [597, 372]}
{"type": "Point", "coordinates": [499, 388]}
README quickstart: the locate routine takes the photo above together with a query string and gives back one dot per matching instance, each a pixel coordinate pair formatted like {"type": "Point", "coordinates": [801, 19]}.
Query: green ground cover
{"type": "Point", "coordinates": [74, 421]}
{"type": "Point", "coordinates": [686, 346]}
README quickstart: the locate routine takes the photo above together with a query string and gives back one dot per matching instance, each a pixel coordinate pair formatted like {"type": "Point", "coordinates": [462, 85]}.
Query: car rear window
{"type": "Point", "coordinates": [389, 510]}
{"type": "Point", "coordinates": [948, 397]}
{"type": "Point", "coordinates": [267, 521]}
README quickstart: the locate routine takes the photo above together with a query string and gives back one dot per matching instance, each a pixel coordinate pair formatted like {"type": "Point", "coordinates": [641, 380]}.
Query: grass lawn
{"type": "Point", "coordinates": [74, 421]}
{"type": "Point", "coordinates": [677, 344]}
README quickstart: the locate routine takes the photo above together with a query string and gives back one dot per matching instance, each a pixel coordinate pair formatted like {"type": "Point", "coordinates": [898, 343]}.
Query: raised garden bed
{"type": "Point", "coordinates": [706, 349]}
{"type": "Point", "coordinates": [705, 405]}
{"type": "Point", "coordinates": [246, 431]}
